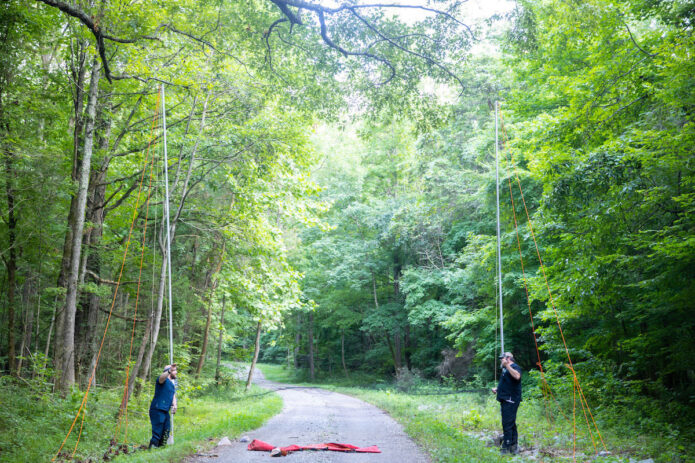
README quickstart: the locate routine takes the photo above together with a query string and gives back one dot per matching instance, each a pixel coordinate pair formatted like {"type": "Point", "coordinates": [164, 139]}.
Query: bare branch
{"type": "Point", "coordinates": [330, 43]}
{"type": "Point", "coordinates": [651, 55]}
{"type": "Point", "coordinates": [123, 317]}
{"type": "Point", "coordinates": [206, 43]}
{"type": "Point", "coordinates": [100, 280]}
{"type": "Point", "coordinates": [426, 58]}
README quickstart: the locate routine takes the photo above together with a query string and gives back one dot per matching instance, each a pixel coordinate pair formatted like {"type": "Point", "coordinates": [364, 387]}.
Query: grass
{"type": "Point", "coordinates": [34, 423]}
{"type": "Point", "coordinates": [456, 428]}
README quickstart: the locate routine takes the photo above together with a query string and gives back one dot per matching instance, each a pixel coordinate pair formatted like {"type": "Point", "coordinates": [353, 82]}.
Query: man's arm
{"type": "Point", "coordinates": [163, 377]}
{"type": "Point", "coordinates": [516, 374]}
{"type": "Point", "coordinates": [174, 405]}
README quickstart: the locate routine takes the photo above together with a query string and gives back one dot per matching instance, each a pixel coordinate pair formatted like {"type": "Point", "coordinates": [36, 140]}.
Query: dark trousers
{"type": "Point", "coordinates": [161, 426]}
{"type": "Point", "coordinates": [509, 423]}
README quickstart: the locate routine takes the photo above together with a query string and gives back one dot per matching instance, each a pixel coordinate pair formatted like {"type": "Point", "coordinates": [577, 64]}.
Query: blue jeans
{"type": "Point", "coordinates": [161, 426]}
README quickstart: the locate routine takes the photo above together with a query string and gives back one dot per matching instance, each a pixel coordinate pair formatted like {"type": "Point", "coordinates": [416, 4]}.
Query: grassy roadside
{"type": "Point", "coordinates": [33, 423]}
{"type": "Point", "coordinates": [456, 428]}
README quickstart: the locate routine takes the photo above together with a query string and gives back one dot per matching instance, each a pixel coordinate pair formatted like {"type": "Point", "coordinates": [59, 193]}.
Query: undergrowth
{"type": "Point", "coordinates": [33, 422]}
{"type": "Point", "coordinates": [458, 427]}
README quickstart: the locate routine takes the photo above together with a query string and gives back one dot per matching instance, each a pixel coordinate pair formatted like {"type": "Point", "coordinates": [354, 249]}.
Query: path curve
{"type": "Point", "coordinates": [314, 415]}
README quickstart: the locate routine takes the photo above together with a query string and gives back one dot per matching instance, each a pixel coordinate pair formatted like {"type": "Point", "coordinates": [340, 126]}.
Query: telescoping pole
{"type": "Point", "coordinates": [168, 244]}
{"type": "Point", "coordinates": [499, 254]}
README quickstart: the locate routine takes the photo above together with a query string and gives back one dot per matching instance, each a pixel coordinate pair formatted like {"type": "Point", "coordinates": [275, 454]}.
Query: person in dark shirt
{"type": "Point", "coordinates": [163, 400]}
{"type": "Point", "coordinates": [508, 393]}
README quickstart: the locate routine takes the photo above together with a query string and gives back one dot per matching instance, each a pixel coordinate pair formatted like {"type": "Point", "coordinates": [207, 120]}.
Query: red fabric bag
{"type": "Point", "coordinates": [259, 445]}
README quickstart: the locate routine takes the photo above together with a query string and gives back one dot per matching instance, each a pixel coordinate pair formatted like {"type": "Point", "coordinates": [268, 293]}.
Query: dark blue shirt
{"type": "Point", "coordinates": [509, 389]}
{"type": "Point", "coordinates": [163, 395]}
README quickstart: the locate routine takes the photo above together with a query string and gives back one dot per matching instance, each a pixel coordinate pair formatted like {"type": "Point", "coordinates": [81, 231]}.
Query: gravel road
{"type": "Point", "coordinates": [312, 416]}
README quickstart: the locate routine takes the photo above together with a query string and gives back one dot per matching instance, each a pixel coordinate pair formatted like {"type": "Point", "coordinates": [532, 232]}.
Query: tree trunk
{"type": "Point", "coordinates": [342, 352]}
{"type": "Point", "coordinates": [141, 355]}
{"type": "Point", "coordinates": [256, 349]}
{"type": "Point", "coordinates": [297, 340]}
{"type": "Point", "coordinates": [396, 363]}
{"type": "Point", "coordinates": [50, 327]}
{"type": "Point", "coordinates": [78, 76]}
{"type": "Point", "coordinates": [157, 318]}
{"type": "Point", "coordinates": [92, 259]}
{"type": "Point", "coordinates": [206, 332]}
{"type": "Point", "coordinates": [219, 341]}
{"type": "Point", "coordinates": [66, 362]}
{"type": "Point", "coordinates": [28, 294]}
{"type": "Point", "coordinates": [311, 345]}
{"type": "Point", "coordinates": [11, 261]}
{"type": "Point", "coordinates": [407, 347]}
{"type": "Point", "coordinates": [204, 348]}
{"type": "Point", "coordinates": [397, 349]}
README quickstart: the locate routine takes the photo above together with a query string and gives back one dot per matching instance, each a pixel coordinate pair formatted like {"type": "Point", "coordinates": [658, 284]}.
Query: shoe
{"type": "Point", "coordinates": [514, 449]}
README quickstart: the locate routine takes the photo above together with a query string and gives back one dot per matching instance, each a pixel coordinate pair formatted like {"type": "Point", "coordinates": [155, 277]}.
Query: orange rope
{"type": "Point", "coordinates": [550, 295]}
{"type": "Point", "coordinates": [84, 413]}
{"type": "Point", "coordinates": [574, 417]}
{"type": "Point", "coordinates": [108, 320]}
{"type": "Point", "coordinates": [545, 387]}
{"type": "Point", "coordinates": [528, 299]}
{"type": "Point", "coordinates": [124, 409]}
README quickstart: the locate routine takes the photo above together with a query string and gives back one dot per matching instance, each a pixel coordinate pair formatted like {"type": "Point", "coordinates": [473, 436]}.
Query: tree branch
{"type": "Point", "coordinates": [123, 317]}
{"type": "Point", "coordinates": [330, 43]}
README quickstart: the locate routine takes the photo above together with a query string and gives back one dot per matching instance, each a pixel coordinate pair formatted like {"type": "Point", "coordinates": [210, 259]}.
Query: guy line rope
{"type": "Point", "coordinates": [148, 161]}
{"type": "Point", "coordinates": [577, 389]}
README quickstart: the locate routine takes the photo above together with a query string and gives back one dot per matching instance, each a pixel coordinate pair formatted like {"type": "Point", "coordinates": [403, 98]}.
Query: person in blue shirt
{"type": "Point", "coordinates": [508, 393]}
{"type": "Point", "coordinates": [164, 399]}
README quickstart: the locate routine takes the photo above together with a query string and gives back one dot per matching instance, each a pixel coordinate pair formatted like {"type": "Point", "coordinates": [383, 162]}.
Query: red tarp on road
{"type": "Point", "coordinates": [265, 447]}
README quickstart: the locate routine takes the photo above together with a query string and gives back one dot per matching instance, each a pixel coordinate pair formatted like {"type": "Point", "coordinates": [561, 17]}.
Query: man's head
{"type": "Point", "coordinates": [507, 357]}
{"type": "Point", "coordinates": [171, 369]}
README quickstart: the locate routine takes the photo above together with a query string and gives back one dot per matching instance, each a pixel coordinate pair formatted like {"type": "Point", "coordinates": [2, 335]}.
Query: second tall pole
{"type": "Point", "coordinates": [499, 254]}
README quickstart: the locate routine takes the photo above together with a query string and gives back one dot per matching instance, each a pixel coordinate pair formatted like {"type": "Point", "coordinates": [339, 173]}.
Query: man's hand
{"type": "Point", "coordinates": [505, 362]}
{"type": "Point", "coordinates": [494, 390]}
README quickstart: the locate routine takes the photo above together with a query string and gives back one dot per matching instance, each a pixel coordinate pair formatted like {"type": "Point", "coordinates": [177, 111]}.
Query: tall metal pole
{"type": "Point", "coordinates": [166, 214]}
{"type": "Point", "coordinates": [499, 254]}
{"type": "Point", "coordinates": [170, 440]}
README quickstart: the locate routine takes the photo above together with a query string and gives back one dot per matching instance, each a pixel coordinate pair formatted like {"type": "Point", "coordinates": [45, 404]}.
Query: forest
{"type": "Point", "coordinates": [325, 173]}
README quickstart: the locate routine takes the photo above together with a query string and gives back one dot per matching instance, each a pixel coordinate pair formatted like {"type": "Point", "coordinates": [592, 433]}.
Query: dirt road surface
{"type": "Point", "coordinates": [312, 416]}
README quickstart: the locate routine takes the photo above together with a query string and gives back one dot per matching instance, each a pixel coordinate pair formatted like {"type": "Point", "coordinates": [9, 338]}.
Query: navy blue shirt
{"type": "Point", "coordinates": [509, 389]}
{"type": "Point", "coordinates": [163, 395]}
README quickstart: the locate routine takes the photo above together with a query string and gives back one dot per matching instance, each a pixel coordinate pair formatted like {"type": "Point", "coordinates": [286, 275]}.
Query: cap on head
{"type": "Point", "coordinates": [506, 355]}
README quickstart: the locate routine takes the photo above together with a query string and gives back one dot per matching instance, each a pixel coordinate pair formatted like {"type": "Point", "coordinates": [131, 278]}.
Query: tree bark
{"type": "Point", "coordinates": [256, 349]}
{"type": "Point", "coordinates": [66, 363]}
